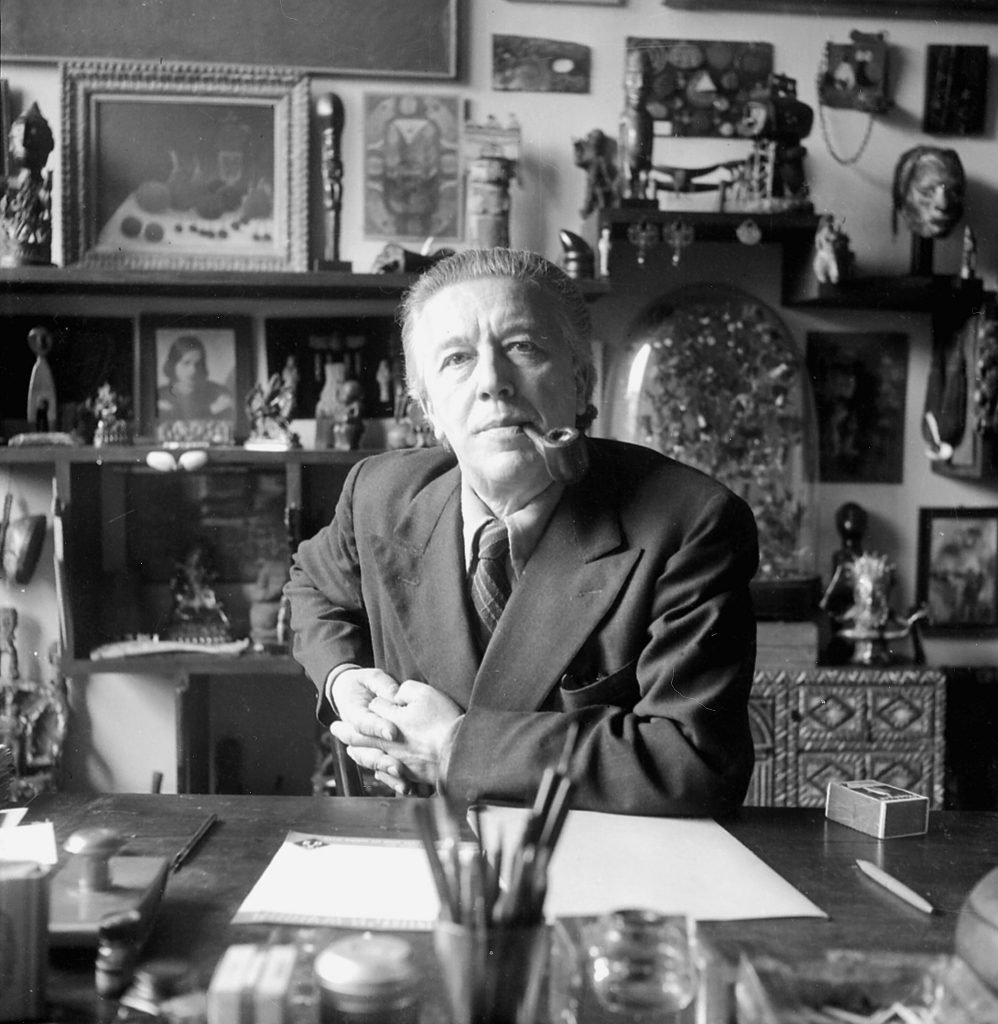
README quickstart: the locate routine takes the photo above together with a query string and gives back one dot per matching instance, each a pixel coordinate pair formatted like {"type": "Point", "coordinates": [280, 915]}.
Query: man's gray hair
{"type": "Point", "coordinates": [532, 269]}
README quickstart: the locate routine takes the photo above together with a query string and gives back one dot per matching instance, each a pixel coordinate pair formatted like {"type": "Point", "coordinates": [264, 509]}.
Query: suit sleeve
{"type": "Point", "coordinates": [684, 746]}
{"type": "Point", "coordinates": [328, 620]}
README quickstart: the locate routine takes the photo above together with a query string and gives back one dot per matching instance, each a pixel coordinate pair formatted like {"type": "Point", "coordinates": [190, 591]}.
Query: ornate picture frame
{"type": "Point", "coordinates": [195, 374]}
{"type": "Point", "coordinates": [184, 166]}
{"type": "Point", "coordinates": [957, 578]}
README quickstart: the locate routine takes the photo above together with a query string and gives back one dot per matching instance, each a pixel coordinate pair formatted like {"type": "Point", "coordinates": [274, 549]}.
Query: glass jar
{"type": "Point", "coordinates": [643, 964]}
{"type": "Point", "coordinates": [713, 378]}
{"type": "Point", "coordinates": [367, 979]}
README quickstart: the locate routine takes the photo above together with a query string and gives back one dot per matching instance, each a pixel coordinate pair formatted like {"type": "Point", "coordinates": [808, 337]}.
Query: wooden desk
{"type": "Point", "coordinates": [813, 854]}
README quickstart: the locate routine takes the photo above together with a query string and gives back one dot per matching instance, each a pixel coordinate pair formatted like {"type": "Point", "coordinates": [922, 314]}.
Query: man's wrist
{"type": "Point", "coordinates": [334, 674]}
{"type": "Point", "coordinates": [448, 746]}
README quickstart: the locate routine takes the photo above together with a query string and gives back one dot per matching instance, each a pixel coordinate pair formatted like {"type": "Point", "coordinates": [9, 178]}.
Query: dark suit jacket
{"type": "Point", "coordinates": [633, 618]}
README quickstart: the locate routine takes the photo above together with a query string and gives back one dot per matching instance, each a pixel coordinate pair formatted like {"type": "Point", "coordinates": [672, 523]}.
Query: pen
{"type": "Point", "coordinates": [899, 889]}
{"type": "Point", "coordinates": [188, 848]}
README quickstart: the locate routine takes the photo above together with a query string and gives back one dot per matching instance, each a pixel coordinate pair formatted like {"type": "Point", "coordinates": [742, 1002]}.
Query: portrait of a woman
{"type": "Point", "coordinates": [189, 393]}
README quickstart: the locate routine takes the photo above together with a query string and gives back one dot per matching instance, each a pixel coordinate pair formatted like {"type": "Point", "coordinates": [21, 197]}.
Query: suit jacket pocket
{"type": "Point", "coordinates": [618, 689]}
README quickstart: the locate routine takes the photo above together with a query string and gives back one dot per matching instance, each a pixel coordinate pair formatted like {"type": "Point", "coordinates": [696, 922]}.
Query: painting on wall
{"type": "Point", "coordinates": [858, 381]}
{"type": "Point", "coordinates": [528, 64]}
{"type": "Point", "coordinates": [411, 167]}
{"type": "Point", "coordinates": [701, 87]}
{"type": "Point", "coordinates": [180, 167]}
{"type": "Point", "coordinates": [957, 563]}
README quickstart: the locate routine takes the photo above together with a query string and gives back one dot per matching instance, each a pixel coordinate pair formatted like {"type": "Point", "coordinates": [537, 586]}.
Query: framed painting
{"type": "Point", "coordinates": [183, 166]}
{"type": "Point", "coordinates": [195, 374]}
{"type": "Point", "coordinates": [858, 381]}
{"type": "Point", "coordinates": [946, 10]}
{"type": "Point", "coordinates": [957, 564]}
{"type": "Point", "coordinates": [411, 167]}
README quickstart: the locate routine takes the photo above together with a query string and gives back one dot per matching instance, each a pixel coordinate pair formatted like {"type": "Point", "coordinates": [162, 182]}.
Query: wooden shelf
{"type": "Point", "coordinates": [248, 664]}
{"type": "Point", "coordinates": [136, 455]}
{"type": "Point", "coordinates": [902, 292]}
{"type": "Point", "coordinates": [96, 281]}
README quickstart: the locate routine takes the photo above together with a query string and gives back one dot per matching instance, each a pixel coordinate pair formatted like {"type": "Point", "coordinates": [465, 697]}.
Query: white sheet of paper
{"type": "Point", "coordinates": [687, 865]}
{"type": "Point", "coordinates": [34, 842]}
{"type": "Point", "coordinates": [333, 880]}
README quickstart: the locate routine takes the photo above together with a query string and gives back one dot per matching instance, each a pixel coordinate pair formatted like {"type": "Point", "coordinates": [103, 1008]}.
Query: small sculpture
{"type": "Point", "coordinates": [331, 118]}
{"type": "Point", "coordinates": [269, 410]}
{"type": "Point", "coordinates": [873, 624]}
{"type": "Point", "coordinates": [593, 155]}
{"type": "Point", "coordinates": [578, 260]}
{"type": "Point", "coordinates": [929, 188]}
{"type": "Point", "coordinates": [111, 412]}
{"type": "Point", "coordinates": [338, 422]}
{"type": "Point", "coordinates": [968, 257]}
{"type": "Point", "coordinates": [833, 258]}
{"type": "Point", "coordinates": [196, 616]}
{"type": "Point", "coordinates": [42, 406]}
{"type": "Point", "coordinates": [637, 129]}
{"type": "Point", "coordinates": [489, 178]}
{"type": "Point", "coordinates": [265, 610]}
{"type": "Point", "coordinates": [26, 203]}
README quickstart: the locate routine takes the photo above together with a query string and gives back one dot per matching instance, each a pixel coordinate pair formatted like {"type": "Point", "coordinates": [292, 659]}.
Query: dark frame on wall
{"type": "Point", "coordinates": [957, 580]}
{"type": "Point", "coordinates": [947, 10]}
{"type": "Point", "coordinates": [321, 36]}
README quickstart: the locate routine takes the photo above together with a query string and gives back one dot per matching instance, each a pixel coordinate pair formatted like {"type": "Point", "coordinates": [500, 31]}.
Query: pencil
{"type": "Point", "coordinates": [188, 848]}
{"type": "Point", "coordinates": [891, 884]}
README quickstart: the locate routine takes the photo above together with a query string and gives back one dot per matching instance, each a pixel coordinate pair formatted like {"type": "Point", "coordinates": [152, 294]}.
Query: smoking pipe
{"type": "Point", "coordinates": [563, 450]}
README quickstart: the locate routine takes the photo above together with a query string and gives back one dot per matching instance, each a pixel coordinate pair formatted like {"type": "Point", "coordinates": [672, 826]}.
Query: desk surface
{"type": "Point", "coordinates": [815, 855]}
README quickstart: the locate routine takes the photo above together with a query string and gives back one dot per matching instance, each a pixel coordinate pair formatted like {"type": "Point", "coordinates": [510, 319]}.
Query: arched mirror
{"type": "Point", "coordinates": [712, 377]}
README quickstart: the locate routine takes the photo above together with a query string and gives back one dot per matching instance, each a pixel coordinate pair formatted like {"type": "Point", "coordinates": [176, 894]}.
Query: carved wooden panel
{"type": "Point", "coordinates": [822, 725]}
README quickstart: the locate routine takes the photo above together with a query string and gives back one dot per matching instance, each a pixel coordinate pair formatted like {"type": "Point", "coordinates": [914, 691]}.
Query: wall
{"type": "Point", "coordinates": [550, 193]}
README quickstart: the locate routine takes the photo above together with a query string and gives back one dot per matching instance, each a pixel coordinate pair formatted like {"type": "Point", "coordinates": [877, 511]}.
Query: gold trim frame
{"type": "Point", "coordinates": [180, 166]}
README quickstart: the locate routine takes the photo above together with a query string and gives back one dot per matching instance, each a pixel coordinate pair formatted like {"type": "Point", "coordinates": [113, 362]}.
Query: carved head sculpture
{"type": "Point", "coordinates": [929, 188]}
{"type": "Point", "coordinates": [31, 140]}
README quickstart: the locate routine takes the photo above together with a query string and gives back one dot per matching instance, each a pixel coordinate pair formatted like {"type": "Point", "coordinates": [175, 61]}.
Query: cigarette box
{"type": "Point", "coordinates": [876, 808]}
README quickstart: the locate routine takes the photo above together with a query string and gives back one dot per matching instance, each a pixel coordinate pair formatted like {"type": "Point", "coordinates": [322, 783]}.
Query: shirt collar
{"type": "Point", "coordinates": [525, 525]}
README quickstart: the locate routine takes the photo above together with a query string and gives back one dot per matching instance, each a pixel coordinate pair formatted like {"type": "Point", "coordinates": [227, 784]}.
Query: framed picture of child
{"type": "Point", "coordinates": [196, 372]}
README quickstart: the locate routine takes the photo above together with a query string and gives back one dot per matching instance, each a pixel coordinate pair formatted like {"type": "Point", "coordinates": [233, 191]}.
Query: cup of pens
{"type": "Point", "coordinates": [492, 975]}
{"type": "Point", "coordinates": [491, 939]}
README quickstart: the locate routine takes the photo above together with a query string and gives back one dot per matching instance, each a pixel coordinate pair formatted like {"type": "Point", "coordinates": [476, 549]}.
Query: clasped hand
{"type": "Point", "coordinates": [399, 731]}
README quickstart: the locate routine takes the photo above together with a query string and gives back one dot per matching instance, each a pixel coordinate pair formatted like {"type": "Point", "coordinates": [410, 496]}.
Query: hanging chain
{"type": "Point", "coordinates": [845, 161]}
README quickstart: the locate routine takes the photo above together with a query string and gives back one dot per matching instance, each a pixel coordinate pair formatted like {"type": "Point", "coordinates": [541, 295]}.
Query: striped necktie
{"type": "Point", "coordinates": [490, 581]}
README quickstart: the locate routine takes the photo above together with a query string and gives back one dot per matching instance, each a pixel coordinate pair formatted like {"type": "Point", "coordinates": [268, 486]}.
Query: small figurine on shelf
{"type": "Point", "coordinates": [196, 616]}
{"type": "Point", "coordinates": [42, 405]}
{"type": "Point", "coordinates": [111, 412]}
{"type": "Point", "coordinates": [578, 260]}
{"type": "Point", "coordinates": [265, 610]}
{"type": "Point", "coordinates": [833, 259]}
{"type": "Point", "coordinates": [331, 118]}
{"type": "Point", "coordinates": [26, 202]}
{"type": "Point", "coordinates": [269, 409]}
{"type": "Point", "coordinates": [593, 154]}
{"type": "Point", "coordinates": [338, 422]}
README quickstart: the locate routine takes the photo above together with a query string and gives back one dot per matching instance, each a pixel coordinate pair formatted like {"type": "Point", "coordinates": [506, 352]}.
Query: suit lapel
{"type": "Point", "coordinates": [421, 561]}
{"type": "Point", "coordinates": [570, 582]}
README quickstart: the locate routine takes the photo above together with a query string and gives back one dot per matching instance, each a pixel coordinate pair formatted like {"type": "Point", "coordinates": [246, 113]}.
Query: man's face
{"type": "Point", "coordinates": [934, 203]}
{"type": "Point", "coordinates": [492, 357]}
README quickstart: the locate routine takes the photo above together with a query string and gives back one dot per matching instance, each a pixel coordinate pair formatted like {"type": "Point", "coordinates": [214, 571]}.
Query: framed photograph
{"type": "Point", "coordinates": [195, 374]}
{"type": "Point", "coordinates": [183, 166]}
{"type": "Point", "coordinates": [957, 564]}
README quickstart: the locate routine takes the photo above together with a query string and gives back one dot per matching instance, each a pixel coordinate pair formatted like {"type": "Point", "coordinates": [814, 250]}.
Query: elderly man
{"type": "Point", "coordinates": [618, 602]}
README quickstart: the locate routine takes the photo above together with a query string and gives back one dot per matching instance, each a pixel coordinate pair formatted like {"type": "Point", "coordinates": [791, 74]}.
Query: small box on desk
{"type": "Point", "coordinates": [877, 808]}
